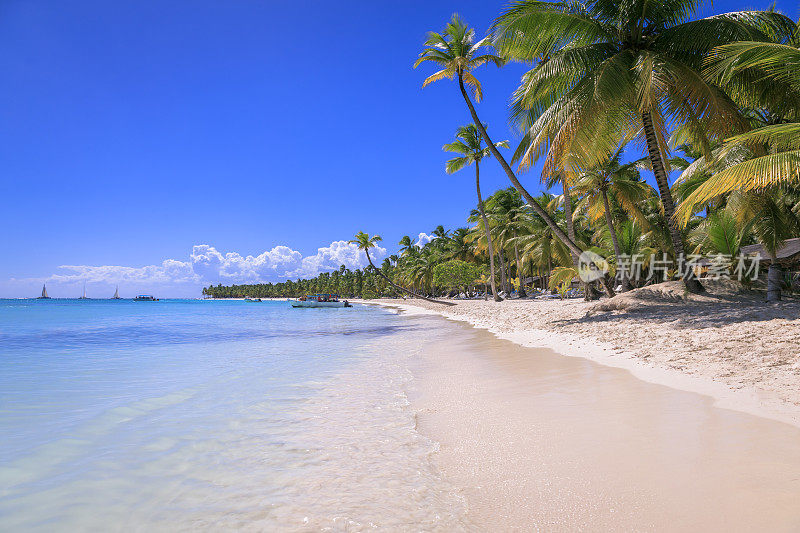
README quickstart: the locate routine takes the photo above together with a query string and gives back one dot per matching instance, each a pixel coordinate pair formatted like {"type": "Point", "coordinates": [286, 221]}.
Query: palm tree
{"type": "Point", "coordinates": [623, 184]}
{"type": "Point", "coordinates": [458, 246]}
{"type": "Point", "coordinates": [772, 222]}
{"type": "Point", "coordinates": [751, 169]}
{"type": "Point", "coordinates": [504, 207]}
{"type": "Point", "coordinates": [720, 233]}
{"type": "Point", "coordinates": [610, 70]}
{"type": "Point", "coordinates": [406, 246]}
{"type": "Point", "coordinates": [540, 247]}
{"type": "Point", "coordinates": [761, 76]}
{"type": "Point", "coordinates": [365, 242]}
{"type": "Point", "coordinates": [458, 55]}
{"type": "Point", "coordinates": [470, 145]}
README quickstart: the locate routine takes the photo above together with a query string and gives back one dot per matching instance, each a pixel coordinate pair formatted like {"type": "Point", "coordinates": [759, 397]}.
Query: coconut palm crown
{"type": "Point", "coordinates": [456, 51]}
{"type": "Point", "coordinates": [470, 145]}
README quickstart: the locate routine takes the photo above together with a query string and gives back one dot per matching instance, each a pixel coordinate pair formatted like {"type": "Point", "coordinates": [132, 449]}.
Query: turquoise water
{"type": "Point", "coordinates": [187, 414]}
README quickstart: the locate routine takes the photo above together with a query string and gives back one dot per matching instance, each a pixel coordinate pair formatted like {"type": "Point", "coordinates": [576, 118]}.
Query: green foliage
{"type": "Point", "coordinates": [456, 274]}
{"type": "Point", "coordinates": [344, 282]}
{"type": "Point", "coordinates": [563, 276]}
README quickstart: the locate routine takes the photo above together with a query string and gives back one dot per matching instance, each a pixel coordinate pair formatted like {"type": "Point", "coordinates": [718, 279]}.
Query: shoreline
{"type": "Point", "coordinates": [693, 377]}
{"type": "Point", "coordinates": [532, 440]}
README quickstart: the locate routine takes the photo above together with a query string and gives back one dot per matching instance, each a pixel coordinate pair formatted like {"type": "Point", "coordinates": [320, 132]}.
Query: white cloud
{"type": "Point", "coordinates": [333, 256]}
{"type": "Point", "coordinates": [208, 265]}
{"type": "Point", "coordinates": [423, 239]}
{"type": "Point", "coordinates": [170, 271]}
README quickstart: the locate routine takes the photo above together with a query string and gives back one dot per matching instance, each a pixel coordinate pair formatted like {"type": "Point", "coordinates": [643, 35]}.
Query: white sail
{"type": "Point", "coordinates": [44, 291]}
{"type": "Point", "coordinates": [116, 294]}
{"type": "Point", "coordinates": [84, 292]}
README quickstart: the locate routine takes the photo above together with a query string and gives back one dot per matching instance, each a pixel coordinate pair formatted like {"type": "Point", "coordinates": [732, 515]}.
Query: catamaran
{"type": "Point", "coordinates": [320, 300]}
{"type": "Point", "coordinates": [145, 298]}
{"type": "Point", "coordinates": [44, 295]}
{"type": "Point", "coordinates": [116, 294]}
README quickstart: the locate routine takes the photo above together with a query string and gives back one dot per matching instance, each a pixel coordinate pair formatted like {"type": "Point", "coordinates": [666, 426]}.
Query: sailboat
{"type": "Point", "coordinates": [116, 294]}
{"type": "Point", "coordinates": [84, 292]}
{"type": "Point", "coordinates": [44, 295]}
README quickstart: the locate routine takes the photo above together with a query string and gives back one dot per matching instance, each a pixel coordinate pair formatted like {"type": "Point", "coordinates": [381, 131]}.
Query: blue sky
{"type": "Point", "coordinates": [138, 132]}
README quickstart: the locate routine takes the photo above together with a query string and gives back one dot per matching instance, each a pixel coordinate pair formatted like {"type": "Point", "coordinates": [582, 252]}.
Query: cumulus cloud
{"type": "Point", "coordinates": [423, 239]}
{"type": "Point", "coordinates": [169, 271]}
{"type": "Point", "coordinates": [206, 264]}
{"type": "Point", "coordinates": [333, 256]}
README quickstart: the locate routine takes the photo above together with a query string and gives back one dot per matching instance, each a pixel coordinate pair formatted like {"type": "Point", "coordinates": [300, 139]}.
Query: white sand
{"type": "Point", "coordinates": [535, 441]}
{"type": "Point", "coordinates": [729, 345]}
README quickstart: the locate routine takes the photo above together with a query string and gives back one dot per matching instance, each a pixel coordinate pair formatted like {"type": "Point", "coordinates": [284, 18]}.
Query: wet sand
{"type": "Point", "coordinates": [539, 441]}
{"type": "Point", "coordinates": [728, 345]}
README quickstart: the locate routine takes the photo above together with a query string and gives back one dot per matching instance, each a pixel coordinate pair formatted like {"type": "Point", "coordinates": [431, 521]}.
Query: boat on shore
{"type": "Point", "coordinates": [252, 299]}
{"type": "Point", "coordinates": [44, 295]}
{"type": "Point", "coordinates": [320, 300]}
{"type": "Point", "coordinates": [145, 298]}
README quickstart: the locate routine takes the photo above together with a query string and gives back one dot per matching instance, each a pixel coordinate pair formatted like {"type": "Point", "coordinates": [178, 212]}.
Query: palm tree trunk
{"type": "Point", "coordinates": [568, 217]}
{"type": "Point", "coordinates": [774, 281]}
{"type": "Point", "coordinates": [502, 271]}
{"type": "Point", "coordinates": [626, 283]}
{"type": "Point", "coordinates": [393, 284]}
{"type": "Point", "coordinates": [524, 192]}
{"type": "Point", "coordinates": [496, 296]}
{"type": "Point", "coordinates": [657, 162]}
{"type": "Point", "coordinates": [588, 292]}
{"type": "Point", "coordinates": [549, 271]}
{"type": "Point", "coordinates": [522, 293]}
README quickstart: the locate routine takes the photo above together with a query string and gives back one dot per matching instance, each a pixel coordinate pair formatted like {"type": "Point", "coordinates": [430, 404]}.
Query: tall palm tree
{"type": "Point", "coordinates": [470, 145]}
{"type": "Point", "coordinates": [622, 183]}
{"type": "Point", "coordinates": [609, 70]}
{"type": "Point", "coordinates": [366, 242]}
{"type": "Point", "coordinates": [458, 54]}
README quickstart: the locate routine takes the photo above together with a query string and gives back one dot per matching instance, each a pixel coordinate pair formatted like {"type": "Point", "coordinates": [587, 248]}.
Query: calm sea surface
{"type": "Point", "coordinates": [186, 414]}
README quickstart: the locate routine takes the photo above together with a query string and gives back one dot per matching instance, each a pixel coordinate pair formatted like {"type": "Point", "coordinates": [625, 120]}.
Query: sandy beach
{"type": "Point", "coordinates": [534, 440]}
{"type": "Point", "coordinates": [727, 344]}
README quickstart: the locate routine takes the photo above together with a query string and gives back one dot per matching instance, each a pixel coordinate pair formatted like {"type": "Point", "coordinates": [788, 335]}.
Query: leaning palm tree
{"type": "Point", "coordinates": [470, 145]}
{"type": "Point", "coordinates": [365, 242]}
{"type": "Point", "coordinates": [610, 70]}
{"type": "Point", "coordinates": [458, 54]}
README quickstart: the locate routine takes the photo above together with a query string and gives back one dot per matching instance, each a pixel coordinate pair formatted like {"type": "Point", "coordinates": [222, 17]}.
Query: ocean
{"type": "Point", "coordinates": [196, 414]}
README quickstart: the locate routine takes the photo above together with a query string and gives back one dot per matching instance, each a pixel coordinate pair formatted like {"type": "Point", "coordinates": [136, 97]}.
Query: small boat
{"type": "Point", "coordinates": [145, 298]}
{"type": "Point", "coordinates": [44, 295]}
{"type": "Point", "coordinates": [116, 294]}
{"type": "Point", "coordinates": [320, 300]}
{"type": "Point", "coordinates": [84, 297]}
{"type": "Point", "coordinates": [252, 299]}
